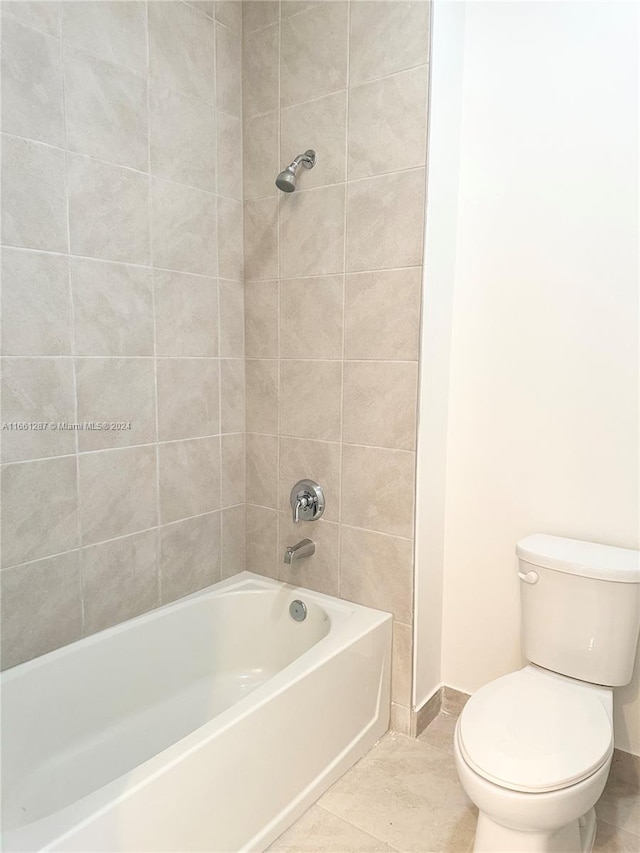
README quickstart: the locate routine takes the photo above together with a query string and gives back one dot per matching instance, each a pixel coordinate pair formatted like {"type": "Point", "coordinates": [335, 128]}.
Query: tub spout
{"type": "Point", "coordinates": [304, 548]}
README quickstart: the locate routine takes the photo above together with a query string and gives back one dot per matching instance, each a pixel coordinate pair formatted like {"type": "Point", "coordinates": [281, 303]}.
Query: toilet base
{"type": "Point", "coordinates": [576, 837]}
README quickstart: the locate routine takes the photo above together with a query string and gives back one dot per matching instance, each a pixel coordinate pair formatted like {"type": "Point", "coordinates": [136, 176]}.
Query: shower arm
{"type": "Point", "coordinates": [308, 160]}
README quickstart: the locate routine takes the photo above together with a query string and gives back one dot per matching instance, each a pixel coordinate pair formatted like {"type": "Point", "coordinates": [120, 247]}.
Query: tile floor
{"type": "Point", "coordinates": [404, 795]}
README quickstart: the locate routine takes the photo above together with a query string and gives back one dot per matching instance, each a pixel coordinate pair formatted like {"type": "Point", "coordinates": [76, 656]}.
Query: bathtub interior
{"type": "Point", "coordinates": [85, 715]}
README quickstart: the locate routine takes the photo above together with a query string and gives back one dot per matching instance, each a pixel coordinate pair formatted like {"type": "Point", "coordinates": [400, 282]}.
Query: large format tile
{"type": "Point", "coordinates": [116, 391]}
{"type": "Point", "coordinates": [261, 238]}
{"type": "Point", "coordinates": [234, 537]}
{"type": "Point", "coordinates": [384, 221]}
{"type": "Point", "coordinates": [189, 477]}
{"type": "Point", "coordinates": [229, 13]}
{"type": "Point", "coordinates": [261, 319]}
{"type": "Point", "coordinates": [189, 555]}
{"type": "Point", "coordinates": [439, 733]}
{"type": "Point", "coordinates": [408, 795]}
{"type": "Point", "coordinates": [182, 138]}
{"type": "Point", "coordinates": [34, 196]}
{"type": "Point", "coordinates": [232, 469]}
{"type": "Point", "coordinates": [228, 71]}
{"type": "Point", "coordinates": [39, 509]}
{"type": "Point", "coordinates": [118, 490]}
{"type": "Point", "coordinates": [186, 309]}
{"type": "Point", "coordinates": [119, 580]}
{"type": "Point", "coordinates": [619, 804]}
{"type": "Point", "coordinates": [262, 469]}
{"type": "Point", "coordinates": [388, 124]}
{"type": "Point", "coordinates": [230, 243]}
{"type": "Point", "coordinates": [112, 308]}
{"type": "Point", "coordinates": [320, 125]}
{"type": "Point", "coordinates": [232, 395]}
{"type": "Point", "coordinates": [32, 95]}
{"type": "Point", "coordinates": [188, 392]}
{"type": "Point", "coordinates": [302, 459]}
{"type": "Point", "coordinates": [37, 390]}
{"type": "Point", "coordinates": [611, 839]}
{"type": "Point", "coordinates": [232, 319]}
{"type": "Point", "coordinates": [183, 226]}
{"type": "Point", "coordinates": [108, 211]}
{"type": "Point", "coordinates": [228, 144]}
{"type": "Point", "coordinates": [387, 36]}
{"type": "Point", "coordinates": [262, 395]}
{"type": "Point", "coordinates": [311, 399]}
{"type": "Point", "coordinates": [36, 315]}
{"type": "Point", "coordinates": [42, 15]}
{"type": "Point", "coordinates": [106, 110]}
{"type": "Point", "coordinates": [181, 49]}
{"type": "Point", "coordinates": [314, 52]}
{"type": "Point", "coordinates": [382, 314]}
{"type": "Point", "coordinates": [262, 541]}
{"type": "Point", "coordinates": [311, 317]}
{"type": "Point", "coordinates": [312, 232]}
{"type": "Point", "coordinates": [115, 31]}
{"type": "Point", "coordinates": [319, 831]}
{"type": "Point", "coordinates": [260, 72]}
{"type": "Point", "coordinates": [41, 607]}
{"type": "Point", "coordinates": [258, 14]}
{"type": "Point", "coordinates": [261, 157]}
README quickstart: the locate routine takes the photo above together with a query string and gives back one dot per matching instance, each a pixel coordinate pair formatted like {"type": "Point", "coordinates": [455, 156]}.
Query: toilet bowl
{"type": "Point", "coordinates": [533, 751]}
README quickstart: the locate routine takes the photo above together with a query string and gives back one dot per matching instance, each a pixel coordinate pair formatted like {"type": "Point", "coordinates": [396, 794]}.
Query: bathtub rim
{"type": "Point", "coordinates": [354, 621]}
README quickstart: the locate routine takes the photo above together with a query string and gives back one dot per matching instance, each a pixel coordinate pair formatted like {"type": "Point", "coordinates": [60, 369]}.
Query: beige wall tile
{"type": "Point", "coordinates": [186, 308]}
{"type": "Point", "coordinates": [229, 13]}
{"type": "Point", "coordinates": [112, 308]}
{"type": "Point", "coordinates": [182, 138]}
{"type": "Point", "coordinates": [116, 390]}
{"type": "Point", "coordinates": [310, 399]}
{"type": "Point", "coordinates": [189, 476]}
{"type": "Point", "coordinates": [387, 36]}
{"type": "Point", "coordinates": [34, 198]}
{"type": "Point", "coordinates": [36, 306]}
{"type": "Point", "coordinates": [231, 319]}
{"type": "Point", "coordinates": [229, 71]}
{"type": "Point", "coordinates": [260, 71]}
{"type": "Point", "coordinates": [302, 459]}
{"type": "Point", "coordinates": [261, 319]}
{"type": "Point", "coordinates": [189, 556]}
{"type": "Point", "coordinates": [261, 238]}
{"type": "Point", "coordinates": [401, 664]}
{"type": "Point", "coordinates": [388, 124]}
{"type": "Point", "coordinates": [233, 540]}
{"type": "Point", "coordinates": [261, 155]}
{"type": "Point", "coordinates": [258, 14]}
{"type": "Point", "coordinates": [115, 31]}
{"type": "Point", "coordinates": [106, 110]}
{"type": "Point", "coordinates": [39, 509]}
{"type": "Point", "coordinates": [119, 580]}
{"type": "Point", "coordinates": [262, 469]}
{"type": "Point", "coordinates": [108, 211]}
{"type": "Point", "coordinates": [377, 489]}
{"type": "Point", "coordinates": [321, 571]}
{"type": "Point", "coordinates": [32, 97]}
{"type": "Point", "coordinates": [230, 248]}
{"type": "Point", "coordinates": [312, 232]}
{"type": "Point", "coordinates": [232, 395]}
{"type": "Point", "coordinates": [377, 571]}
{"type": "Point", "coordinates": [37, 390]}
{"type": "Point", "coordinates": [380, 400]}
{"type": "Point", "coordinates": [382, 314]}
{"type": "Point", "coordinates": [372, 205]}
{"type": "Point", "coordinates": [262, 395]}
{"type": "Point", "coordinates": [181, 49]}
{"type": "Point", "coordinates": [262, 541]}
{"type": "Point", "coordinates": [118, 492]}
{"type": "Point", "coordinates": [320, 125]}
{"type": "Point", "coordinates": [41, 607]}
{"type": "Point", "coordinates": [205, 7]}
{"type": "Point", "coordinates": [314, 52]}
{"type": "Point", "coordinates": [228, 146]}
{"type": "Point", "coordinates": [43, 16]}
{"type": "Point", "coordinates": [233, 469]}
{"type": "Point", "coordinates": [188, 392]}
{"type": "Point", "coordinates": [400, 720]}
{"type": "Point", "coordinates": [183, 225]}
{"type": "Point", "coordinates": [311, 317]}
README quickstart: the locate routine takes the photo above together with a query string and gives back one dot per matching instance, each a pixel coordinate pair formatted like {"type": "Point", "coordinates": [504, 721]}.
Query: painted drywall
{"type": "Point", "coordinates": [543, 385]}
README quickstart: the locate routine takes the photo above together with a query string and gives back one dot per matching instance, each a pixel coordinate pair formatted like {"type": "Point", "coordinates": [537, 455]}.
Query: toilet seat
{"type": "Point", "coordinates": [534, 731]}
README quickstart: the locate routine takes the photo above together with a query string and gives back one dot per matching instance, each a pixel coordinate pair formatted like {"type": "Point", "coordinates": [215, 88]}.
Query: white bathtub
{"type": "Point", "coordinates": [210, 724]}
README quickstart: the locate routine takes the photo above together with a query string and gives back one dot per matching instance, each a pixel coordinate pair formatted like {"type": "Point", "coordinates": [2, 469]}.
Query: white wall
{"type": "Point", "coordinates": [543, 426]}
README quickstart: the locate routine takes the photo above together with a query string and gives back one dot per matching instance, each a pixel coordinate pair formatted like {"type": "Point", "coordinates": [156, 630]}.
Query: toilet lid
{"type": "Point", "coordinates": [534, 732]}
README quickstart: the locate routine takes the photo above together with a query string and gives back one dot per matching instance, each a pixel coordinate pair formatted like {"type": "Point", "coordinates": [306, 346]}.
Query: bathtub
{"type": "Point", "coordinates": [209, 724]}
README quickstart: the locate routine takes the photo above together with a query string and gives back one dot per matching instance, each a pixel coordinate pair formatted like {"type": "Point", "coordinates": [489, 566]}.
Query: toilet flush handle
{"type": "Point", "coordinates": [529, 577]}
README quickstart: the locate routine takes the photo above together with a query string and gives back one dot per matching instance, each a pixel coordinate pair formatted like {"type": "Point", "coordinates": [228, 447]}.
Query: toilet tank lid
{"type": "Point", "coordinates": [588, 559]}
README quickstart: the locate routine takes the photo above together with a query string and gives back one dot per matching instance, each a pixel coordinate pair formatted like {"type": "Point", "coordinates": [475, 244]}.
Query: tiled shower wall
{"type": "Point", "coordinates": [332, 294]}
{"type": "Point", "coordinates": [122, 302]}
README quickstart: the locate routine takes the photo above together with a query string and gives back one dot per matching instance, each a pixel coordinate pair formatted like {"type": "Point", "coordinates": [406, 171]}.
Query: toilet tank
{"type": "Point", "coordinates": [580, 607]}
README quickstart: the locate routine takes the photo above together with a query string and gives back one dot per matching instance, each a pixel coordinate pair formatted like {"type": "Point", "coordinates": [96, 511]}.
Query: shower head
{"type": "Point", "coordinates": [286, 180]}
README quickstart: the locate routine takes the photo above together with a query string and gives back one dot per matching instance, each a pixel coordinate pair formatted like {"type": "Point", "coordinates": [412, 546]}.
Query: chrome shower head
{"type": "Point", "coordinates": [286, 180]}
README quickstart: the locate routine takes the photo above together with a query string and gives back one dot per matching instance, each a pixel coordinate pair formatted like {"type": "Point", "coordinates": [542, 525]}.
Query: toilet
{"type": "Point", "coordinates": [533, 748]}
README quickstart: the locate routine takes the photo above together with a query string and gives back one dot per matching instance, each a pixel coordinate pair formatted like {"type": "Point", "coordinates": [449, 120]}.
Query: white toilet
{"type": "Point", "coordinates": [533, 748]}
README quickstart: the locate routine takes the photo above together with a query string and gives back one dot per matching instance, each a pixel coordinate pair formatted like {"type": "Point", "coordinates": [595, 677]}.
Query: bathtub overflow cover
{"type": "Point", "coordinates": [298, 610]}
